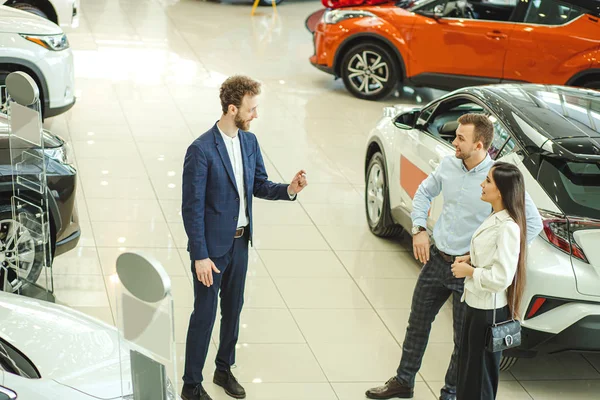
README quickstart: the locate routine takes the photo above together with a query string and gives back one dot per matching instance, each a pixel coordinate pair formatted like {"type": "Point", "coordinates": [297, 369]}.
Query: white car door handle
{"type": "Point", "coordinates": [413, 135]}
{"type": "Point", "coordinates": [434, 164]}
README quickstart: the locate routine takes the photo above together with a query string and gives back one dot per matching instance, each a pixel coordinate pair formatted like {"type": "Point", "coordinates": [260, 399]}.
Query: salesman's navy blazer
{"type": "Point", "coordinates": [211, 201]}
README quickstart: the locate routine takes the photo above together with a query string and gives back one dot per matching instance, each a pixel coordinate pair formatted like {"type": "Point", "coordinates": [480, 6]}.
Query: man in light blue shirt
{"type": "Point", "coordinates": [458, 179]}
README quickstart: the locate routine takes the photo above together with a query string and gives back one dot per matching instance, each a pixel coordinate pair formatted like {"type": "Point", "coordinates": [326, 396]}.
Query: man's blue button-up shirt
{"type": "Point", "coordinates": [463, 211]}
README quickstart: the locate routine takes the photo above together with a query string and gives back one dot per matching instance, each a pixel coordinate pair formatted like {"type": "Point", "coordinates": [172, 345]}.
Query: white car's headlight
{"type": "Point", "coordinates": [50, 42]}
{"type": "Point", "coordinates": [336, 16]}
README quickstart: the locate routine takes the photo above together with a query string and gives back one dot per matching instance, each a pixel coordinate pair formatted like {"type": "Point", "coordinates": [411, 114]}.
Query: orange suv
{"type": "Point", "coordinates": [448, 44]}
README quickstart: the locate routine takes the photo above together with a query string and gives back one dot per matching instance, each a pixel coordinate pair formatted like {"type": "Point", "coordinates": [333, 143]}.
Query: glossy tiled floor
{"type": "Point", "coordinates": [326, 302]}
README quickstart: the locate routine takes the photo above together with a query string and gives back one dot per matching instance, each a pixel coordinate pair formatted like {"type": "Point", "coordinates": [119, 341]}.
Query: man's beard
{"type": "Point", "coordinates": [462, 156]}
{"type": "Point", "coordinates": [241, 124]}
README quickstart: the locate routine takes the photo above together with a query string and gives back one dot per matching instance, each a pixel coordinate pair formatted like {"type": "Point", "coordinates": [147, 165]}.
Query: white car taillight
{"type": "Point", "coordinates": [559, 232]}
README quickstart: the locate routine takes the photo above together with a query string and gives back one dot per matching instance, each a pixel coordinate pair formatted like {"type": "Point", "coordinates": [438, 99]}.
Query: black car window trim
{"type": "Point", "coordinates": [511, 20]}
{"type": "Point", "coordinates": [3, 345]}
{"type": "Point", "coordinates": [516, 148]}
{"type": "Point", "coordinates": [472, 99]}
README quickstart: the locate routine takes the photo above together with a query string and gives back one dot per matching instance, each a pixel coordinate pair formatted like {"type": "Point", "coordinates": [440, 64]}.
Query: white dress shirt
{"type": "Point", "coordinates": [495, 249]}
{"type": "Point", "coordinates": [234, 150]}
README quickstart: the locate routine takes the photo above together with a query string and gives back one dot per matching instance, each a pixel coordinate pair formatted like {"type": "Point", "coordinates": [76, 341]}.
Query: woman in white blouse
{"type": "Point", "coordinates": [494, 268]}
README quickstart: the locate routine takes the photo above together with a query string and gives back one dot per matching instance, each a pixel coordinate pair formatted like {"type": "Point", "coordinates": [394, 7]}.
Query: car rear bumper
{"type": "Point", "coordinates": [583, 336]}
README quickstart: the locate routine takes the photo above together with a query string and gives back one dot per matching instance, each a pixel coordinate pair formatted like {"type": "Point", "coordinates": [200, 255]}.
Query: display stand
{"type": "Point", "coordinates": [146, 325]}
{"type": "Point", "coordinates": [26, 258]}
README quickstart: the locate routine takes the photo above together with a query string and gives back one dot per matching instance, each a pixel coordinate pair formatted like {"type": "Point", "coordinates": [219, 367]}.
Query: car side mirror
{"type": "Point", "coordinates": [407, 120]}
{"type": "Point", "coordinates": [7, 394]}
{"type": "Point", "coordinates": [438, 11]}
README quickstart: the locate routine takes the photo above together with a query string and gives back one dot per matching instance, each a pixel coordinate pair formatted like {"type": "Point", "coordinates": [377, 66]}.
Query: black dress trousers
{"type": "Point", "coordinates": [478, 369]}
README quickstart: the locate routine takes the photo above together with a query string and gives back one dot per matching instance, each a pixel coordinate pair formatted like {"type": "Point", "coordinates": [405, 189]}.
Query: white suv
{"type": "Point", "coordinates": [62, 12]}
{"type": "Point", "coordinates": [40, 48]}
{"type": "Point", "coordinates": [552, 134]}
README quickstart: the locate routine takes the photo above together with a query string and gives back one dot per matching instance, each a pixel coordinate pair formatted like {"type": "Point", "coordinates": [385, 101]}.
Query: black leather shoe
{"type": "Point", "coordinates": [191, 392]}
{"type": "Point", "coordinates": [227, 381]}
{"type": "Point", "coordinates": [391, 389]}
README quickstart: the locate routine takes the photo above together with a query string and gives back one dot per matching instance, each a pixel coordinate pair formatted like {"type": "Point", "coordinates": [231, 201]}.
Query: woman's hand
{"type": "Point", "coordinates": [462, 269]}
{"type": "Point", "coordinates": [463, 259]}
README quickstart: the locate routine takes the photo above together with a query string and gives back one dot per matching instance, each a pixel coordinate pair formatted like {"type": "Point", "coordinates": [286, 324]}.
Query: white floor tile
{"type": "Point", "coordinates": [342, 326]}
{"type": "Point", "coordinates": [369, 362]}
{"type": "Point", "coordinates": [268, 326]}
{"type": "Point", "coordinates": [356, 391]}
{"type": "Point", "coordinates": [79, 261]}
{"type": "Point", "coordinates": [124, 210]}
{"type": "Point", "coordinates": [262, 293]}
{"type": "Point", "coordinates": [384, 265]}
{"type": "Point", "coordinates": [278, 237]}
{"type": "Point", "coordinates": [388, 293]}
{"type": "Point", "coordinates": [302, 264]}
{"type": "Point", "coordinates": [272, 363]}
{"type": "Point", "coordinates": [275, 391]}
{"type": "Point", "coordinates": [333, 293]}
{"type": "Point", "coordinates": [118, 188]}
{"type": "Point", "coordinates": [357, 239]}
{"type": "Point", "coordinates": [133, 234]}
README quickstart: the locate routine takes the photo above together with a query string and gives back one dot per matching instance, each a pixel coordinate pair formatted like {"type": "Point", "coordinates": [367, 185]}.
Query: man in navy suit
{"type": "Point", "coordinates": [222, 170]}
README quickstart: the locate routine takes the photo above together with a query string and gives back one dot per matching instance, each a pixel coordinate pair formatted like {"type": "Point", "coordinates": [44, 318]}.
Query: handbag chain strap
{"type": "Point", "coordinates": [512, 310]}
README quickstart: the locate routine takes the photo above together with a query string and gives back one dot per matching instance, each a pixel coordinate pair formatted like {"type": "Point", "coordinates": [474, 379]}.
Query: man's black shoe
{"type": "Point", "coordinates": [191, 392]}
{"type": "Point", "coordinates": [391, 389]}
{"type": "Point", "coordinates": [227, 381]}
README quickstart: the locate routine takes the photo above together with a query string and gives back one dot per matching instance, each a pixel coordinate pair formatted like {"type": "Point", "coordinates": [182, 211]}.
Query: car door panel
{"type": "Point", "coordinates": [543, 43]}
{"type": "Point", "coordinates": [549, 48]}
{"type": "Point", "coordinates": [463, 47]}
{"type": "Point", "coordinates": [420, 152]}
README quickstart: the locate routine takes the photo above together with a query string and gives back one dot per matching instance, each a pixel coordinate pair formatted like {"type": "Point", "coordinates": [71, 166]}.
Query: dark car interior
{"type": "Point", "coordinates": [474, 9]}
{"type": "Point", "coordinates": [542, 12]}
{"type": "Point", "coordinates": [443, 124]}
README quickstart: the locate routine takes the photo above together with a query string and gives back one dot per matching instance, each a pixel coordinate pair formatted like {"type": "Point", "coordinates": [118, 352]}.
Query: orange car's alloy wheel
{"type": "Point", "coordinates": [369, 71]}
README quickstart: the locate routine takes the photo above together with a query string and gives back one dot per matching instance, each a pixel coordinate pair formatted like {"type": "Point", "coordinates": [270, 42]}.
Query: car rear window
{"type": "Point", "coordinates": [574, 186]}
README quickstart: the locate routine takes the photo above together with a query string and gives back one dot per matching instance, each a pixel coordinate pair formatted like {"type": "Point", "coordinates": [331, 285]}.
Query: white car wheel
{"type": "Point", "coordinates": [377, 200]}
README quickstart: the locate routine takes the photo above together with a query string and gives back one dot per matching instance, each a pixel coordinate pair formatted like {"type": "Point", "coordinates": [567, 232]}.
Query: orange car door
{"type": "Point", "coordinates": [554, 42]}
{"type": "Point", "coordinates": [471, 48]}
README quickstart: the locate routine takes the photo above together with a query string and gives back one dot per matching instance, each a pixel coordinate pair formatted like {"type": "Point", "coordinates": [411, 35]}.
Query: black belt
{"type": "Point", "coordinates": [446, 257]}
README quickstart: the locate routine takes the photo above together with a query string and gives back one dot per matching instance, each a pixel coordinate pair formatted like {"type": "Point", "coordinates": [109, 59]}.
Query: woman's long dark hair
{"type": "Point", "coordinates": [510, 182]}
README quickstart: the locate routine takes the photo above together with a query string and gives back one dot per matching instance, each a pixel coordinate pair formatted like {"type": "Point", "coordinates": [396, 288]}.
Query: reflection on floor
{"type": "Point", "coordinates": [326, 302]}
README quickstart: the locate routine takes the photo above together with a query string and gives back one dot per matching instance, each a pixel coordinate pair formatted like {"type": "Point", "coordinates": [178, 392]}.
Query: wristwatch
{"type": "Point", "coordinates": [417, 229]}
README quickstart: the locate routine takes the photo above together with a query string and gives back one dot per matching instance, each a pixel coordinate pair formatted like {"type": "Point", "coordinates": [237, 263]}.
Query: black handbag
{"type": "Point", "coordinates": [503, 335]}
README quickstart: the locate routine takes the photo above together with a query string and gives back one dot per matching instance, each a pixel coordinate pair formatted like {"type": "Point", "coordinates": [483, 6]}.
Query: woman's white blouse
{"type": "Point", "coordinates": [495, 249]}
